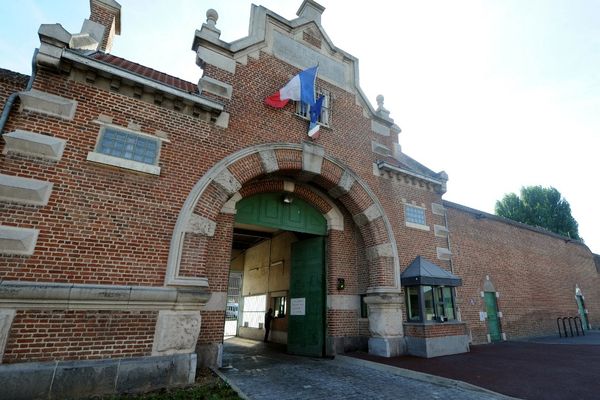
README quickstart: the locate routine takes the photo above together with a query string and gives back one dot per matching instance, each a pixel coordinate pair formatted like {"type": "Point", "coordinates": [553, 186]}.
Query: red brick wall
{"type": "Point", "coordinates": [79, 335]}
{"type": "Point", "coordinates": [11, 82]}
{"type": "Point", "coordinates": [535, 275]}
{"type": "Point", "coordinates": [435, 330]}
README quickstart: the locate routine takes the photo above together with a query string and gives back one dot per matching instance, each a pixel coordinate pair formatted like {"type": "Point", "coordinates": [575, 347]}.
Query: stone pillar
{"type": "Point", "coordinates": [385, 324]}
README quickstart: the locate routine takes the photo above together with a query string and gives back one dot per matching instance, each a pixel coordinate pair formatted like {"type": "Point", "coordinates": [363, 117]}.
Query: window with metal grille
{"type": "Point", "coordinates": [414, 215]}
{"type": "Point", "coordinates": [304, 110]}
{"type": "Point", "coordinates": [128, 145]}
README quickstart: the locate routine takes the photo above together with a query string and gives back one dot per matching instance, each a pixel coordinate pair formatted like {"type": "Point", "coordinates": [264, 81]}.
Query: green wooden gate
{"type": "Point", "coordinates": [306, 316]}
{"type": "Point", "coordinates": [493, 322]}
{"type": "Point", "coordinates": [582, 314]}
{"type": "Point", "coordinates": [306, 333]}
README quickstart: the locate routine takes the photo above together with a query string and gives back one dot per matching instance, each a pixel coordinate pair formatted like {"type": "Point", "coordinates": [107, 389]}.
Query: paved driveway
{"type": "Point", "coordinates": [265, 372]}
{"type": "Point", "coordinates": [550, 368]}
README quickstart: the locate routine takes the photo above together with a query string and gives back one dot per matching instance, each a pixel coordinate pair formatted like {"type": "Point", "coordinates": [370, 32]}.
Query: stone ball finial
{"type": "Point", "coordinates": [379, 100]}
{"type": "Point", "coordinates": [211, 17]}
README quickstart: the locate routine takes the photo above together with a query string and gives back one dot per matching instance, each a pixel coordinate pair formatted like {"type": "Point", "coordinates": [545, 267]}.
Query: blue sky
{"type": "Point", "coordinates": [500, 94]}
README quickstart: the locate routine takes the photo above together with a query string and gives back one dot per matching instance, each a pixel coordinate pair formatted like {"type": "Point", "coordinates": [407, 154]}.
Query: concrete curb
{"type": "Point", "coordinates": [236, 389]}
{"type": "Point", "coordinates": [421, 376]}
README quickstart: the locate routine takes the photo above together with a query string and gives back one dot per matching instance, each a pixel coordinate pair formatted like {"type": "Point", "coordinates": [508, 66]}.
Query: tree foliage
{"type": "Point", "coordinates": [542, 207]}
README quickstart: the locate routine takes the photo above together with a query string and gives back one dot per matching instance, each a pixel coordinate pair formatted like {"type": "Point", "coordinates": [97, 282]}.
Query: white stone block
{"type": "Point", "coordinates": [17, 241]}
{"type": "Point", "coordinates": [46, 103]}
{"type": "Point", "coordinates": [34, 144]}
{"type": "Point", "coordinates": [6, 318]}
{"type": "Point", "coordinates": [21, 190]}
{"type": "Point", "coordinates": [176, 332]}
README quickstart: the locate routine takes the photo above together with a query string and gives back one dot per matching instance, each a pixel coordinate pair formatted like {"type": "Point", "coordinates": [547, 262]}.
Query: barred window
{"type": "Point", "coordinates": [130, 146]}
{"type": "Point", "coordinates": [414, 215]}
{"type": "Point", "coordinates": [304, 110]}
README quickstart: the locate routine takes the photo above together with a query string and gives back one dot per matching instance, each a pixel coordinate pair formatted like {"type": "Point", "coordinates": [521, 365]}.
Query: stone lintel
{"type": "Point", "coordinates": [37, 144]}
{"type": "Point", "coordinates": [17, 241]}
{"type": "Point", "coordinates": [201, 225]}
{"type": "Point", "coordinates": [21, 190]}
{"type": "Point", "coordinates": [227, 182]}
{"type": "Point", "coordinates": [370, 214]}
{"type": "Point", "coordinates": [312, 158]}
{"type": "Point", "coordinates": [343, 186]}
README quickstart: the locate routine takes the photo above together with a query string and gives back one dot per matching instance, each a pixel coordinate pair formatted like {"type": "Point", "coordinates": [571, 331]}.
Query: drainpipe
{"type": "Point", "coordinates": [11, 99]}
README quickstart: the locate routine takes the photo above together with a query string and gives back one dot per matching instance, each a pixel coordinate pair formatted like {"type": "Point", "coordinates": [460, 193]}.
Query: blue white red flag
{"type": "Point", "coordinates": [315, 112]}
{"type": "Point", "coordinates": [300, 88]}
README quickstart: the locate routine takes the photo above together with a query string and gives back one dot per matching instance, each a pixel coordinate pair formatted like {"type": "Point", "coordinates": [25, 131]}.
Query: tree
{"type": "Point", "coordinates": [542, 207]}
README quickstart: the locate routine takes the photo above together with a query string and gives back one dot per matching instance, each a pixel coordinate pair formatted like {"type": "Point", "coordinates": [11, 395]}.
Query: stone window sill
{"type": "Point", "coordinates": [417, 226]}
{"type": "Point", "coordinates": [123, 163]}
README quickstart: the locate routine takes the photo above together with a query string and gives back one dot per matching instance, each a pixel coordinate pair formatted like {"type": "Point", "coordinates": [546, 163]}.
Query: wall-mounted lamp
{"type": "Point", "coordinates": [287, 199]}
{"type": "Point", "coordinates": [341, 285]}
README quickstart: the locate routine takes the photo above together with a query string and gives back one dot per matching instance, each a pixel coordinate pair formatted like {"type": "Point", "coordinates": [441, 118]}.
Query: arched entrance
{"type": "Point", "coordinates": [199, 252]}
{"type": "Point", "coordinates": [279, 252]}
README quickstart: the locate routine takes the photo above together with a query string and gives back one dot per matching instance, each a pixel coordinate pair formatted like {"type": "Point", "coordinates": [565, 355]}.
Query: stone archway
{"type": "Point", "coordinates": [207, 216]}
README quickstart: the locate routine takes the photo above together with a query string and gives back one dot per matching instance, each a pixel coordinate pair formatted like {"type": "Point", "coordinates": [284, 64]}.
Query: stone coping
{"type": "Point", "coordinates": [51, 295]}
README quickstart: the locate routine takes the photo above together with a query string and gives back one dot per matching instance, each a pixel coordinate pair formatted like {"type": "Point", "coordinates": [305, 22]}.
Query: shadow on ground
{"type": "Point", "coordinates": [542, 368]}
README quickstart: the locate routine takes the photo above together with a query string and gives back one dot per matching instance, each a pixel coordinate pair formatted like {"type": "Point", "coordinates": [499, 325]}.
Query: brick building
{"type": "Point", "coordinates": [144, 217]}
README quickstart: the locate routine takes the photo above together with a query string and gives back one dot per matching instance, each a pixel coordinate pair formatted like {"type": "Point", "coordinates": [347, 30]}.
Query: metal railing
{"type": "Point", "coordinates": [572, 322]}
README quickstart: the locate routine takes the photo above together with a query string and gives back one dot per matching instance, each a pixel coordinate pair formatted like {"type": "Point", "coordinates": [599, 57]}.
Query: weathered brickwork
{"type": "Point", "coordinates": [79, 335]}
{"type": "Point", "coordinates": [534, 274]}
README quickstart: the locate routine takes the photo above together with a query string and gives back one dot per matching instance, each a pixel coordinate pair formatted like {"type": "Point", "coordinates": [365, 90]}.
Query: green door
{"type": "Point", "coordinates": [582, 314]}
{"type": "Point", "coordinates": [493, 322]}
{"type": "Point", "coordinates": [306, 327]}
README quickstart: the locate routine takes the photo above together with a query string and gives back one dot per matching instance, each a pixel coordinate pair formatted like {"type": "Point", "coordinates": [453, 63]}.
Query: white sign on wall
{"type": "Point", "coordinates": [298, 306]}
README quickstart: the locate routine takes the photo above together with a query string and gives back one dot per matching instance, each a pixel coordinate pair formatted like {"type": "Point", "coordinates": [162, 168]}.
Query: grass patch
{"type": "Point", "coordinates": [208, 386]}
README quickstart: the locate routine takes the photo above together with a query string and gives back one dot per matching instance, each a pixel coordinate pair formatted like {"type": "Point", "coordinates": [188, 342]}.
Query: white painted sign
{"type": "Point", "coordinates": [482, 315]}
{"type": "Point", "coordinates": [298, 306]}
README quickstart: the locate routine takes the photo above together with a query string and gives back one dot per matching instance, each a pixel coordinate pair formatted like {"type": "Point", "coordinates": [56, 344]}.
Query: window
{"type": "Point", "coordinates": [127, 149]}
{"type": "Point", "coordinates": [414, 215]}
{"type": "Point", "coordinates": [129, 146]}
{"type": "Point", "coordinates": [304, 111]}
{"type": "Point", "coordinates": [254, 310]}
{"type": "Point", "coordinates": [412, 304]}
{"type": "Point", "coordinates": [280, 307]}
{"type": "Point", "coordinates": [437, 303]}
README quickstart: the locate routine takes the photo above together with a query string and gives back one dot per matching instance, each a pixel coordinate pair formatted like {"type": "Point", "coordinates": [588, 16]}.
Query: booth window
{"type": "Point", "coordinates": [429, 292]}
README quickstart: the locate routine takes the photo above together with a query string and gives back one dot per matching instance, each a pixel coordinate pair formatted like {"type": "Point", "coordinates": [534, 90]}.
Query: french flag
{"type": "Point", "coordinates": [300, 88]}
{"type": "Point", "coordinates": [315, 112]}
